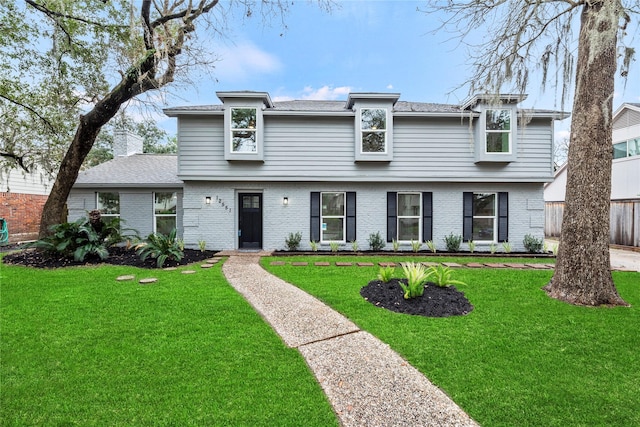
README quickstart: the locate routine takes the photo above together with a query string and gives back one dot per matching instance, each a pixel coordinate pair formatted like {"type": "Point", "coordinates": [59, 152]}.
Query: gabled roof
{"type": "Point", "coordinates": [148, 170]}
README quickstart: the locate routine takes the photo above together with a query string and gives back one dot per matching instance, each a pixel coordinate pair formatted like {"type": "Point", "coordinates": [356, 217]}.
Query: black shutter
{"type": "Point", "coordinates": [427, 216]}
{"type": "Point", "coordinates": [314, 233]}
{"type": "Point", "coordinates": [351, 216]}
{"type": "Point", "coordinates": [467, 216]}
{"type": "Point", "coordinates": [503, 217]}
{"type": "Point", "coordinates": [392, 216]}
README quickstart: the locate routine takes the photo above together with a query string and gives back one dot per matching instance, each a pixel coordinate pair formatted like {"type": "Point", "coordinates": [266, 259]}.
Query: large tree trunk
{"type": "Point", "coordinates": [583, 271]}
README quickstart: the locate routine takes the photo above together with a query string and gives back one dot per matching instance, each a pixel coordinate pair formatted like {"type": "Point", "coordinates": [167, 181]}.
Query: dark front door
{"type": "Point", "coordinates": [250, 221]}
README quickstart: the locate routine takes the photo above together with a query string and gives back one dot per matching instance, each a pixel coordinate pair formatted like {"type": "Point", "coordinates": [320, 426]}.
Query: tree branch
{"type": "Point", "coordinates": [32, 111]}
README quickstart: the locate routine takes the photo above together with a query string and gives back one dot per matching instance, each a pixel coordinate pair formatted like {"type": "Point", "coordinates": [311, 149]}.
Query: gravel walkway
{"type": "Point", "coordinates": [367, 383]}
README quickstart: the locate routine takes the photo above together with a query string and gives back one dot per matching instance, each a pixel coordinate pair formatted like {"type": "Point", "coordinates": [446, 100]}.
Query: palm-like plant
{"type": "Point", "coordinates": [441, 276]}
{"type": "Point", "coordinates": [161, 248]}
{"type": "Point", "coordinates": [416, 275]}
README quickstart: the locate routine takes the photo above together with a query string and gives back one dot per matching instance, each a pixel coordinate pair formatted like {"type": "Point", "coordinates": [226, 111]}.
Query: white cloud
{"type": "Point", "coordinates": [243, 60]}
{"type": "Point", "coordinates": [325, 92]}
{"type": "Point", "coordinates": [389, 86]}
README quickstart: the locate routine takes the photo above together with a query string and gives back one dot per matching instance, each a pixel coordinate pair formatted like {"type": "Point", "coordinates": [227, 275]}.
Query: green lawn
{"type": "Point", "coordinates": [79, 348]}
{"type": "Point", "coordinates": [520, 358]}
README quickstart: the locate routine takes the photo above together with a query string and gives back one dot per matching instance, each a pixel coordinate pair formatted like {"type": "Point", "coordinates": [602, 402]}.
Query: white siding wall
{"type": "Point", "coordinates": [20, 182]}
{"type": "Point", "coordinates": [217, 223]}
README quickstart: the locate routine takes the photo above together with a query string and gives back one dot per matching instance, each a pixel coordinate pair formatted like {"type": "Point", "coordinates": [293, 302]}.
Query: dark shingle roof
{"type": "Point", "coordinates": [131, 171]}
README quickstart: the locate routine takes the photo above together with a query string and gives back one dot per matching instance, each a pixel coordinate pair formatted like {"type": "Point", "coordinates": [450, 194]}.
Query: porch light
{"type": "Point", "coordinates": [207, 200]}
{"type": "Point", "coordinates": [285, 201]}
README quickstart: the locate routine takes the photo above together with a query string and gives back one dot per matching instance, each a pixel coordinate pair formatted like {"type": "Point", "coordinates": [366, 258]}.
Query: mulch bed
{"type": "Point", "coordinates": [117, 256]}
{"type": "Point", "coordinates": [435, 302]}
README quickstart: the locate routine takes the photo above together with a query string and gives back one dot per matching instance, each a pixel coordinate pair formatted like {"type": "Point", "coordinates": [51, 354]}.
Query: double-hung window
{"type": "Point", "coordinates": [244, 138]}
{"type": "Point", "coordinates": [626, 149]}
{"type": "Point", "coordinates": [109, 205]}
{"type": "Point", "coordinates": [484, 217]}
{"type": "Point", "coordinates": [332, 218]}
{"type": "Point", "coordinates": [373, 128]}
{"type": "Point", "coordinates": [409, 214]}
{"type": "Point", "coordinates": [164, 210]}
{"type": "Point", "coordinates": [498, 131]}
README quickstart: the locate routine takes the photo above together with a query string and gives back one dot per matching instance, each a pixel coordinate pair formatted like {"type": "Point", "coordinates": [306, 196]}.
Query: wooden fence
{"type": "Point", "coordinates": [625, 221]}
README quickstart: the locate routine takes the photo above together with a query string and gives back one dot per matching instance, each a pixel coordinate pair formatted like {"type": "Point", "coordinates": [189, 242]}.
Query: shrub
{"type": "Point", "coordinates": [85, 236]}
{"type": "Point", "coordinates": [416, 275]}
{"type": "Point", "coordinates": [314, 245]}
{"type": "Point", "coordinates": [334, 246]}
{"type": "Point", "coordinates": [202, 245]}
{"type": "Point", "coordinates": [415, 246]}
{"type": "Point", "coordinates": [376, 242]}
{"type": "Point", "coordinates": [160, 247]}
{"type": "Point", "coordinates": [292, 242]}
{"type": "Point", "coordinates": [431, 245]}
{"type": "Point", "coordinates": [441, 276]}
{"type": "Point", "coordinates": [354, 246]}
{"type": "Point", "coordinates": [493, 248]}
{"type": "Point", "coordinates": [532, 245]}
{"type": "Point", "coordinates": [506, 247]}
{"type": "Point", "coordinates": [453, 242]}
{"type": "Point", "coordinates": [386, 273]}
{"type": "Point", "coordinates": [396, 245]}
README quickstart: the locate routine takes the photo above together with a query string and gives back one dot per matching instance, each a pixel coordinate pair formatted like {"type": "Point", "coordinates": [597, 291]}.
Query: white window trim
{"type": "Point", "coordinates": [494, 216]}
{"type": "Point", "coordinates": [508, 132]}
{"type": "Point", "coordinates": [343, 216]}
{"type": "Point", "coordinates": [229, 154]}
{"type": "Point", "coordinates": [398, 217]}
{"type": "Point", "coordinates": [382, 131]}
{"type": "Point", "coordinates": [156, 215]}
{"type": "Point", "coordinates": [108, 215]}
{"type": "Point", "coordinates": [232, 130]}
{"type": "Point", "coordinates": [482, 155]}
{"type": "Point", "coordinates": [360, 155]}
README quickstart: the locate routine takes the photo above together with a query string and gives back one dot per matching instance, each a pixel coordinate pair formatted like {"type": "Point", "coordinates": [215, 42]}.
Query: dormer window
{"type": "Point", "coordinates": [244, 130]}
{"type": "Point", "coordinates": [244, 124]}
{"type": "Point", "coordinates": [373, 125]}
{"type": "Point", "coordinates": [498, 131]}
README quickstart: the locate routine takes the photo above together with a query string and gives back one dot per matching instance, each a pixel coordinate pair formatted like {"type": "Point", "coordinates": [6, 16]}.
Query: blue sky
{"type": "Point", "coordinates": [360, 46]}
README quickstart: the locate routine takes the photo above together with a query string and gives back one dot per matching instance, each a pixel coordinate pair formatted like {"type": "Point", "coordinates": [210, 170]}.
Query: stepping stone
{"type": "Point", "coordinates": [430, 264]}
{"type": "Point", "coordinates": [322, 264]}
{"type": "Point", "coordinates": [188, 271]}
{"type": "Point", "coordinates": [125, 278]}
{"type": "Point", "coordinates": [387, 264]}
{"type": "Point", "coordinates": [451, 264]}
{"type": "Point", "coordinates": [206, 266]}
{"type": "Point", "coordinates": [552, 266]}
{"type": "Point", "coordinates": [277, 263]}
{"type": "Point", "coordinates": [364, 264]}
{"type": "Point", "coordinates": [495, 265]}
{"type": "Point", "coordinates": [538, 266]}
{"type": "Point", "coordinates": [170, 269]}
{"type": "Point", "coordinates": [299, 264]}
{"type": "Point", "coordinates": [474, 265]}
{"type": "Point", "coordinates": [147, 281]}
{"type": "Point", "coordinates": [212, 260]}
{"type": "Point", "coordinates": [344, 264]}
{"type": "Point", "coordinates": [515, 265]}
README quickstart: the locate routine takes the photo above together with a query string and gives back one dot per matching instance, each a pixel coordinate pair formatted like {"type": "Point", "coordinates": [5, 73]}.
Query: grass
{"type": "Point", "coordinates": [519, 358]}
{"type": "Point", "coordinates": [79, 348]}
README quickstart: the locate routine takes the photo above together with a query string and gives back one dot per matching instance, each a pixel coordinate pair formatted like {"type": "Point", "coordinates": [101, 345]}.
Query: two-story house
{"type": "Point", "coordinates": [250, 171]}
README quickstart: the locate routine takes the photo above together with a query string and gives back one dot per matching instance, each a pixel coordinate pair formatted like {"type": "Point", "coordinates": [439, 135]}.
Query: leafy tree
{"type": "Point", "coordinates": [93, 57]}
{"type": "Point", "coordinates": [526, 34]}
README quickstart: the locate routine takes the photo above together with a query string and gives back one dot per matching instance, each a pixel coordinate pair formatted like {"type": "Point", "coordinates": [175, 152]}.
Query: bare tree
{"type": "Point", "coordinates": [526, 34]}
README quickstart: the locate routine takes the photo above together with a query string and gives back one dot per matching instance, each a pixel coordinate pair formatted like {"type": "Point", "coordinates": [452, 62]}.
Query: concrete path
{"type": "Point", "coordinates": [621, 259]}
{"type": "Point", "coordinates": [366, 382]}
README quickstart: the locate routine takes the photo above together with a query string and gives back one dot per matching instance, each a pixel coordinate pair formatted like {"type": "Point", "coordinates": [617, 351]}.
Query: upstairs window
{"type": "Point", "coordinates": [626, 149]}
{"type": "Point", "coordinates": [109, 205]}
{"type": "Point", "coordinates": [373, 126]}
{"type": "Point", "coordinates": [498, 131]}
{"type": "Point", "coordinates": [244, 130]}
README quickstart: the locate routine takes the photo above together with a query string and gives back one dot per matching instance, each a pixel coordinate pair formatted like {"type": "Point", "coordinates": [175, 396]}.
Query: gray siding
{"type": "Point", "coordinates": [322, 149]}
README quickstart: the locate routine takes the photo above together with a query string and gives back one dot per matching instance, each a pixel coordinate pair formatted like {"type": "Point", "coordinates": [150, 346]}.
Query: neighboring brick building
{"type": "Point", "coordinates": [22, 197]}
